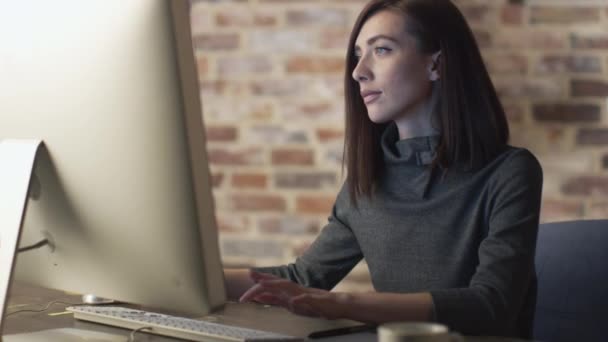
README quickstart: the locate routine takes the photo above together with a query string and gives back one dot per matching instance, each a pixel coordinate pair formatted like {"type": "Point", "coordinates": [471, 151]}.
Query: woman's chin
{"type": "Point", "coordinates": [378, 119]}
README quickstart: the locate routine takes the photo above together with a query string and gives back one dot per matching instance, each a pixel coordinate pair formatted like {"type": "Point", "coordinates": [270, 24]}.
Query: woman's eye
{"type": "Point", "coordinates": [382, 50]}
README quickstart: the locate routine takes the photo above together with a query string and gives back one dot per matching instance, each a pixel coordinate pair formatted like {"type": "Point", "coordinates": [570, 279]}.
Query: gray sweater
{"type": "Point", "coordinates": [467, 237]}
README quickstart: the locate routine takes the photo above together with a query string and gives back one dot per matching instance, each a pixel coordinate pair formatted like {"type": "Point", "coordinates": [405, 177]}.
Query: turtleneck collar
{"type": "Point", "coordinates": [411, 151]}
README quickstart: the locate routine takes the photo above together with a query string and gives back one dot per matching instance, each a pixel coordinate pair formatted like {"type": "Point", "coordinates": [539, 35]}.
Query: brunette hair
{"type": "Point", "coordinates": [468, 113]}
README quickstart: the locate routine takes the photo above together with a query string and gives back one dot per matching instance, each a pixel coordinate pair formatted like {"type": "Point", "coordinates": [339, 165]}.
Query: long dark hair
{"type": "Point", "coordinates": [468, 113]}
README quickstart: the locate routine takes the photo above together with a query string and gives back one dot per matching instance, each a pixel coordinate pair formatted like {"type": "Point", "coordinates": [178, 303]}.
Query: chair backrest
{"type": "Point", "coordinates": [572, 270]}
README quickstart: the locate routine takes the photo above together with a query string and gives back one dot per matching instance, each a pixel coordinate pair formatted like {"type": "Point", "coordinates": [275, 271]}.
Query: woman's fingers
{"type": "Point", "coordinates": [258, 276]}
{"type": "Point", "coordinates": [276, 286]}
{"type": "Point", "coordinates": [270, 299]}
{"type": "Point", "coordinates": [294, 297]}
{"type": "Point", "coordinates": [250, 293]}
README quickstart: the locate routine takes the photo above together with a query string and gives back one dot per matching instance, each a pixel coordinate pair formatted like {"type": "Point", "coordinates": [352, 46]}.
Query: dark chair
{"type": "Point", "coordinates": [572, 270]}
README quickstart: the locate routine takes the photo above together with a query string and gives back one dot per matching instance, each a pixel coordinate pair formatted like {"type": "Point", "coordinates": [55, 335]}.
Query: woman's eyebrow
{"type": "Point", "coordinates": [373, 39]}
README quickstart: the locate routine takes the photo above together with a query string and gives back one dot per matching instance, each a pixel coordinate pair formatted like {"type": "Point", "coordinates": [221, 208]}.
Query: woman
{"type": "Point", "coordinates": [442, 209]}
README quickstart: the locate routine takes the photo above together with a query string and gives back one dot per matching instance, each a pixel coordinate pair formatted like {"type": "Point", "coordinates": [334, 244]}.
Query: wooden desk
{"type": "Point", "coordinates": [240, 315]}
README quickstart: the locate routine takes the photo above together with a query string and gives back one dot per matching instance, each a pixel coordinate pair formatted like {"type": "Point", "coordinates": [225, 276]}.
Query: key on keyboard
{"type": "Point", "coordinates": [173, 326]}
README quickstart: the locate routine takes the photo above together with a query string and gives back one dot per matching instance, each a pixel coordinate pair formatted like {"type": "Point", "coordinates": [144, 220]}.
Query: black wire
{"type": "Point", "coordinates": [34, 246]}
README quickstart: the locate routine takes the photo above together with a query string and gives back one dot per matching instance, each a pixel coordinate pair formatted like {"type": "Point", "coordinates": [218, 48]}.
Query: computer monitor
{"type": "Point", "coordinates": [121, 186]}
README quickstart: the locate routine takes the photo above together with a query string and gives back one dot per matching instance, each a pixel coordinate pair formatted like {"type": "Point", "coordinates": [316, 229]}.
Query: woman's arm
{"type": "Point", "coordinates": [375, 307]}
{"type": "Point", "coordinates": [370, 307]}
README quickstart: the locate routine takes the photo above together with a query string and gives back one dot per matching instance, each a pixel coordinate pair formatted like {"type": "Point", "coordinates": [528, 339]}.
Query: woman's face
{"type": "Point", "coordinates": [394, 78]}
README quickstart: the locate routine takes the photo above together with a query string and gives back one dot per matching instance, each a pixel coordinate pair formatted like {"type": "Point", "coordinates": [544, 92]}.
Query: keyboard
{"type": "Point", "coordinates": [172, 326]}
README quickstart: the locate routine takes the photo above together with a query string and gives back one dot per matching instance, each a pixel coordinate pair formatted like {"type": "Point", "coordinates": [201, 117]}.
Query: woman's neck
{"type": "Point", "coordinates": [417, 123]}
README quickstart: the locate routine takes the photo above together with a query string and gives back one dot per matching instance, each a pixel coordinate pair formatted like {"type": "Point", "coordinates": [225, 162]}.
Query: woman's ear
{"type": "Point", "coordinates": [434, 74]}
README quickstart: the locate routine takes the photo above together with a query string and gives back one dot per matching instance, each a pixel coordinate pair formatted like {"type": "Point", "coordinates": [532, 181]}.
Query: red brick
{"type": "Point", "coordinates": [512, 14]}
{"type": "Point", "coordinates": [314, 109]}
{"type": "Point", "coordinates": [477, 14]}
{"type": "Point", "coordinates": [333, 38]}
{"type": "Point", "coordinates": [219, 88]}
{"type": "Point", "coordinates": [592, 136]}
{"type": "Point", "coordinates": [567, 113]}
{"type": "Point", "coordinates": [318, 64]}
{"type": "Point", "coordinates": [287, 1]}
{"type": "Point", "coordinates": [317, 111]}
{"type": "Point", "coordinates": [257, 202]}
{"type": "Point", "coordinates": [262, 112]}
{"type": "Point", "coordinates": [315, 180]}
{"type": "Point", "coordinates": [202, 67]}
{"type": "Point", "coordinates": [230, 223]}
{"type": "Point", "coordinates": [247, 248]}
{"type": "Point", "coordinates": [291, 156]}
{"type": "Point", "coordinates": [243, 18]}
{"type": "Point", "coordinates": [221, 133]}
{"type": "Point", "coordinates": [218, 1]}
{"type": "Point", "coordinates": [286, 41]}
{"type": "Point", "coordinates": [249, 180]}
{"type": "Point", "coordinates": [528, 88]}
{"type": "Point", "coordinates": [521, 38]}
{"type": "Point", "coordinates": [216, 41]}
{"type": "Point", "coordinates": [277, 135]}
{"type": "Point", "coordinates": [223, 156]}
{"type": "Point", "coordinates": [555, 136]}
{"type": "Point", "coordinates": [564, 15]}
{"type": "Point", "coordinates": [589, 88]}
{"type": "Point", "coordinates": [589, 40]}
{"type": "Point", "coordinates": [314, 204]}
{"type": "Point", "coordinates": [317, 17]}
{"type": "Point", "coordinates": [200, 19]}
{"type": "Point", "coordinates": [506, 63]}
{"type": "Point", "coordinates": [333, 155]}
{"type": "Point", "coordinates": [279, 87]}
{"type": "Point", "coordinates": [330, 134]}
{"type": "Point", "coordinates": [557, 64]}
{"type": "Point", "coordinates": [288, 225]}
{"type": "Point", "coordinates": [558, 210]}
{"type": "Point", "coordinates": [243, 65]}
{"type": "Point", "coordinates": [568, 162]}
{"type": "Point", "coordinates": [597, 210]}
{"type": "Point", "coordinates": [586, 186]}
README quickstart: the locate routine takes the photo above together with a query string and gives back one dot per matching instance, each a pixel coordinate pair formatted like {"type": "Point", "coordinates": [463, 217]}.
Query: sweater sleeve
{"type": "Point", "coordinates": [331, 256]}
{"type": "Point", "coordinates": [490, 305]}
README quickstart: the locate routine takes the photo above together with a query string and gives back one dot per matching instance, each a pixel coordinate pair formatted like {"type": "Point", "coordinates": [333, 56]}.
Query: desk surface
{"type": "Point", "coordinates": [240, 315]}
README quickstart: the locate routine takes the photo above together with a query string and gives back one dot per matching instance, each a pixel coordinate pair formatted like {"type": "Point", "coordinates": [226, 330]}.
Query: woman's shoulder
{"type": "Point", "coordinates": [513, 161]}
{"type": "Point", "coordinates": [519, 157]}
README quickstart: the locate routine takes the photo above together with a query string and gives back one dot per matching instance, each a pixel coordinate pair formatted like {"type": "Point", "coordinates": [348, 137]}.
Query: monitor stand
{"type": "Point", "coordinates": [17, 159]}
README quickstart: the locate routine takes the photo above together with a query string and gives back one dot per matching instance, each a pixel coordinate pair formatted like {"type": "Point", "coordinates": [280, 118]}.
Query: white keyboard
{"type": "Point", "coordinates": [173, 326]}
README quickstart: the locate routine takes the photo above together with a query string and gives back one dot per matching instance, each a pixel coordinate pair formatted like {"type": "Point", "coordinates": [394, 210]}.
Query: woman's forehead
{"type": "Point", "coordinates": [384, 23]}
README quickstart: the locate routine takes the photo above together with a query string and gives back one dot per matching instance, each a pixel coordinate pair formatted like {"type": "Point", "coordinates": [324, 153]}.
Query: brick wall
{"type": "Point", "coordinates": [271, 76]}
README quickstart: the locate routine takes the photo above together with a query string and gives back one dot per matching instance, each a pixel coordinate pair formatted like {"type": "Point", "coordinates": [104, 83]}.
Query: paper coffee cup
{"type": "Point", "coordinates": [416, 332]}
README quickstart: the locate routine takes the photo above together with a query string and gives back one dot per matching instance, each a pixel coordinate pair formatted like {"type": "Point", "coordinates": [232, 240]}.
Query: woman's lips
{"type": "Point", "coordinates": [371, 96]}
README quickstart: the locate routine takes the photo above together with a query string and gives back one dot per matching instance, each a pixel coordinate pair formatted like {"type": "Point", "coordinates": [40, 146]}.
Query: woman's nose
{"type": "Point", "coordinates": [361, 72]}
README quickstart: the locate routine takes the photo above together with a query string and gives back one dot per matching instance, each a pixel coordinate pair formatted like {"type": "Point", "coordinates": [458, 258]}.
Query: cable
{"type": "Point", "coordinates": [41, 310]}
{"type": "Point", "coordinates": [48, 305]}
{"type": "Point", "coordinates": [132, 335]}
{"type": "Point", "coordinates": [34, 246]}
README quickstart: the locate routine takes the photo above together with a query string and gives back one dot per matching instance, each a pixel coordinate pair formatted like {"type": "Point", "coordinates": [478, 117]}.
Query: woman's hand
{"type": "Point", "coordinates": [273, 290]}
